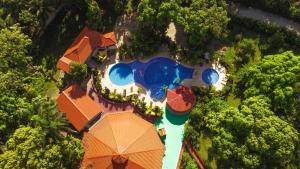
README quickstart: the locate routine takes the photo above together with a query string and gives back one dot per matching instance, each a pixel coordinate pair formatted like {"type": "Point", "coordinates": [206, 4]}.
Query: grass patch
{"type": "Point", "coordinates": [205, 145]}
{"type": "Point", "coordinates": [233, 101]}
{"type": "Point", "coordinates": [229, 58]}
{"type": "Point", "coordinates": [187, 161]}
{"type": "Point", "coordinates": [52, 89]}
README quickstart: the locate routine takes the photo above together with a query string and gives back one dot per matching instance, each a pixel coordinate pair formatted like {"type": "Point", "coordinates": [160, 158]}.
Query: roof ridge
{"type": "Point", "coordinates": [141, 152]}
{"type": "Point", "coordinates": [99, 156]}
{"type": "Point", "coordinates": [113, 134]}
{"type": "Point", "coordinates": [74, 103]}
{"type": "Point", "coordinates": [146, 151]}
{"type": "Point", "coordinates": [76, 47]}
{"type": "Point", "coordinates": [140, 136]}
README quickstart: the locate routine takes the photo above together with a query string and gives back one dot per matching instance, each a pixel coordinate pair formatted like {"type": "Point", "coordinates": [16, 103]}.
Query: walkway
{"type": "Point", "coordinates": [263, 16]}
{"type": "Point", "coordinates": [174, 126]}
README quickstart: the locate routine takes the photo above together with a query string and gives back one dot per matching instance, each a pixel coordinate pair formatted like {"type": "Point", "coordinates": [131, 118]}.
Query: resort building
{"type": "Point", "coordinates": [87, 44]}
{"type": "Point", "coordinates": [122, 140]}
{"type": "Point", "coordinates": [79, 108]}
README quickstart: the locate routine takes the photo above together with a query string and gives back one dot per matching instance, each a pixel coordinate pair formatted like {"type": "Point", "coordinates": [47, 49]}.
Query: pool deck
{"type": "Point", "coordinates": [197, 77]}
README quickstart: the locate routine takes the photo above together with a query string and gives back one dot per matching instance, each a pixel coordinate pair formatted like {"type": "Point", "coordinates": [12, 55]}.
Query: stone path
{"type": "Point", "coordinates": [263, 16]}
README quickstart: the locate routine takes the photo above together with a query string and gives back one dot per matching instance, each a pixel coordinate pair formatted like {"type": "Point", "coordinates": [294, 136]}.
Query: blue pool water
{"type": "Point", "coordinates": [121, 74]}
{"type": "Point", "coordinates": [156, 75]}
{"type": "Point", "coordinates": [210, 76]}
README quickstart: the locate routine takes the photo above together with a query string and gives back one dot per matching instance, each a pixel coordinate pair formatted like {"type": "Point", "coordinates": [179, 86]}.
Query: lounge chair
{"type": "Point", "coordinates": [162, 132]}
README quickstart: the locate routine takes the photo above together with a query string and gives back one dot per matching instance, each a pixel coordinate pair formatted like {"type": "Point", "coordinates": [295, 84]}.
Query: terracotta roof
{"type": "Point", "coordinates": [181, 99]}
{"type": "Point", "coordinates": [64, 64]}
{"type": "Point", "coordinates": [78, 106]}
{"type": "Point", "coordinates": [96, 38]}
{"type": "Point", "coordinates": [108, 39]}
{"type": "Point", "coordinates": [80, 52]}
{"type": "Point", "coordinates": [122, 140]}
{"type": "Point", "coordinates": [83, 46]}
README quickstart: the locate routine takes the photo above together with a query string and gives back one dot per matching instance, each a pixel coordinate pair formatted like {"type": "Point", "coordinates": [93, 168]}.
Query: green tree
{"type": "Point", "coordinates": [78, 72]}
{"type": "Point", "coordinates": [249, 137]}
{"type": "Point", "coordinates": [46, 116]}
{"type": "Point", "coordinates": [13, 113]}
{"type": "Point", "coordinates": [28, 148]}
{"type": "Point", "coordinates": [202, 18]}
{"type": "Point", "coordinates": [14, 49]}
{"type": "Point", "coordinates": [275, 77]}
{"type": "Point", "coordinates": [33, 15]}
{"type": "Point", "coordinates": [245, 51]}
{"type": "Point", "coordinates": [94, 15]}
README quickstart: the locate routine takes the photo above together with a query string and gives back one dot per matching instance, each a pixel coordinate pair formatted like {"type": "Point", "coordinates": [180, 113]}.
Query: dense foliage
{"type": "Point", "coordinates": [262, 131]}
{"type": "Point", "coordinates": [249, 137]}
{"type": "Point", "coordinates": [29, 148]}
{"type": "Point", "coordinates": [78, 72]}
{"type": "Point", "coordinates": [276, 77]}
{"type": "Point", "coordinates": [200, 19]}
{"type": "Point", "coordinates": [30, 125]}
{"type": "Point", "coordinates": [33, 15]}
{"type": "Point", "coordinates": [94, 15]}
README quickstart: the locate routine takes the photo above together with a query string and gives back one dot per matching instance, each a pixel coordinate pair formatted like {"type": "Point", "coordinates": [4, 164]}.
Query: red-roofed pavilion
{"type": "Point", "coordinates": [84, 45]}
{"type": "Point", "coordinates": [80, 109]}
{"type": "Point", "coordinates": [180, 100]}
{"type": "Point", "coordinates": [122, 141]}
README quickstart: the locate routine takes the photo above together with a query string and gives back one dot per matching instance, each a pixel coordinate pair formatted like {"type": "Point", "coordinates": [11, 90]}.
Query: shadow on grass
{"type": "Point", "coordinates": [176, 119]}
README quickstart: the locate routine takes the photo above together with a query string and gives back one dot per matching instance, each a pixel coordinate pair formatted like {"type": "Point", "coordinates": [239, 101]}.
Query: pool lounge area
{"type": "Point", "coordinates": [156, 75]}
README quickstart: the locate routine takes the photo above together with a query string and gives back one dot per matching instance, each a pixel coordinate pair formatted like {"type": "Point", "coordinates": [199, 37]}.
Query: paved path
{"type": "Point", "coordinates": [263, 16]}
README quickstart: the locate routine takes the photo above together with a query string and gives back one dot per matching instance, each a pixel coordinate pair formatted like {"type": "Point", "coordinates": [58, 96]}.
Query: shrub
{"type": "Point", "coordinates": [78, 72]}
{"type": "Point", "coordinates": [102, 56]}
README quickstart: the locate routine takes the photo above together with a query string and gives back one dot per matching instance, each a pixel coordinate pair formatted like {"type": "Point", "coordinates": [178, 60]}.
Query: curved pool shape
{"type": "Point", "coordinates": [121, 74]}
{"type": "Point", "coordinates": [157, 75]}
{"type": "Point", "coordinates": [210, 76]}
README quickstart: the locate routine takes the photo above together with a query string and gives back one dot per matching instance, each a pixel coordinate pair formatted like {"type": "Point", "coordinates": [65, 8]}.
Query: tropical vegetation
{"type": "Point", "coordinates": [253, 122]}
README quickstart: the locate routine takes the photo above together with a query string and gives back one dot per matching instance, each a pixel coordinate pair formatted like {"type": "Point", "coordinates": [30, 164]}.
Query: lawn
{"type": "Point", "coordinates": [52, 89]}
{"type": "Point", "coordinates": [233, 100]}
{"type": "Point", "coordinates": [205, 145]}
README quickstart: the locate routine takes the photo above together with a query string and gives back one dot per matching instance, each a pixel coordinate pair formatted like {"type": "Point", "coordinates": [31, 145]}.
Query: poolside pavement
{"type": "Point", "coordinates": [197, 76]}
{"type": "Point", "coordinates": [144, 95]}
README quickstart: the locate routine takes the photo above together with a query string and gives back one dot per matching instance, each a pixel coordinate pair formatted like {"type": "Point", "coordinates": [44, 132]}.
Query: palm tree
{"type": "Point", "coordinates": [46, 116]}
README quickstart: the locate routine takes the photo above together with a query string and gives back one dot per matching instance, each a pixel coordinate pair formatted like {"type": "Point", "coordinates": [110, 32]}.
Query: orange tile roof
{"type": "Point", "coordinates": [181, 99]}
{"type": "Point", "coordinates": [83, 46]}
{"type": "Point", "coordinates": [96, 38]}
{"type": "Point", "coordinates": [108, 39]}
{"type": "Point", "coordinates": [78, 106]}
{"type": "Point", "coordinates": [122, 139]}
{"type": "Point", "coordinates": [80, 52]}
{"type": "Point", "coordinates": [64, 64]}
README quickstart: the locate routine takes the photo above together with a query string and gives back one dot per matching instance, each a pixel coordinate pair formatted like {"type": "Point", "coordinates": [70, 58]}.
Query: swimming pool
{"type": "Point", "coordinates": [156, 75]}
{"type": "Point", "coordinates": [210, 76]}
{"type": "Point", "coordinates": [121, 74]}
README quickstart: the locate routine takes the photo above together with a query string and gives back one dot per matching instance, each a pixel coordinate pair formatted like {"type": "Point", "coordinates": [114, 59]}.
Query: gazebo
{"type": "Point", "coordinates": [122, 140]}
{"type": "Point", "coordinates": [180, 100]}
